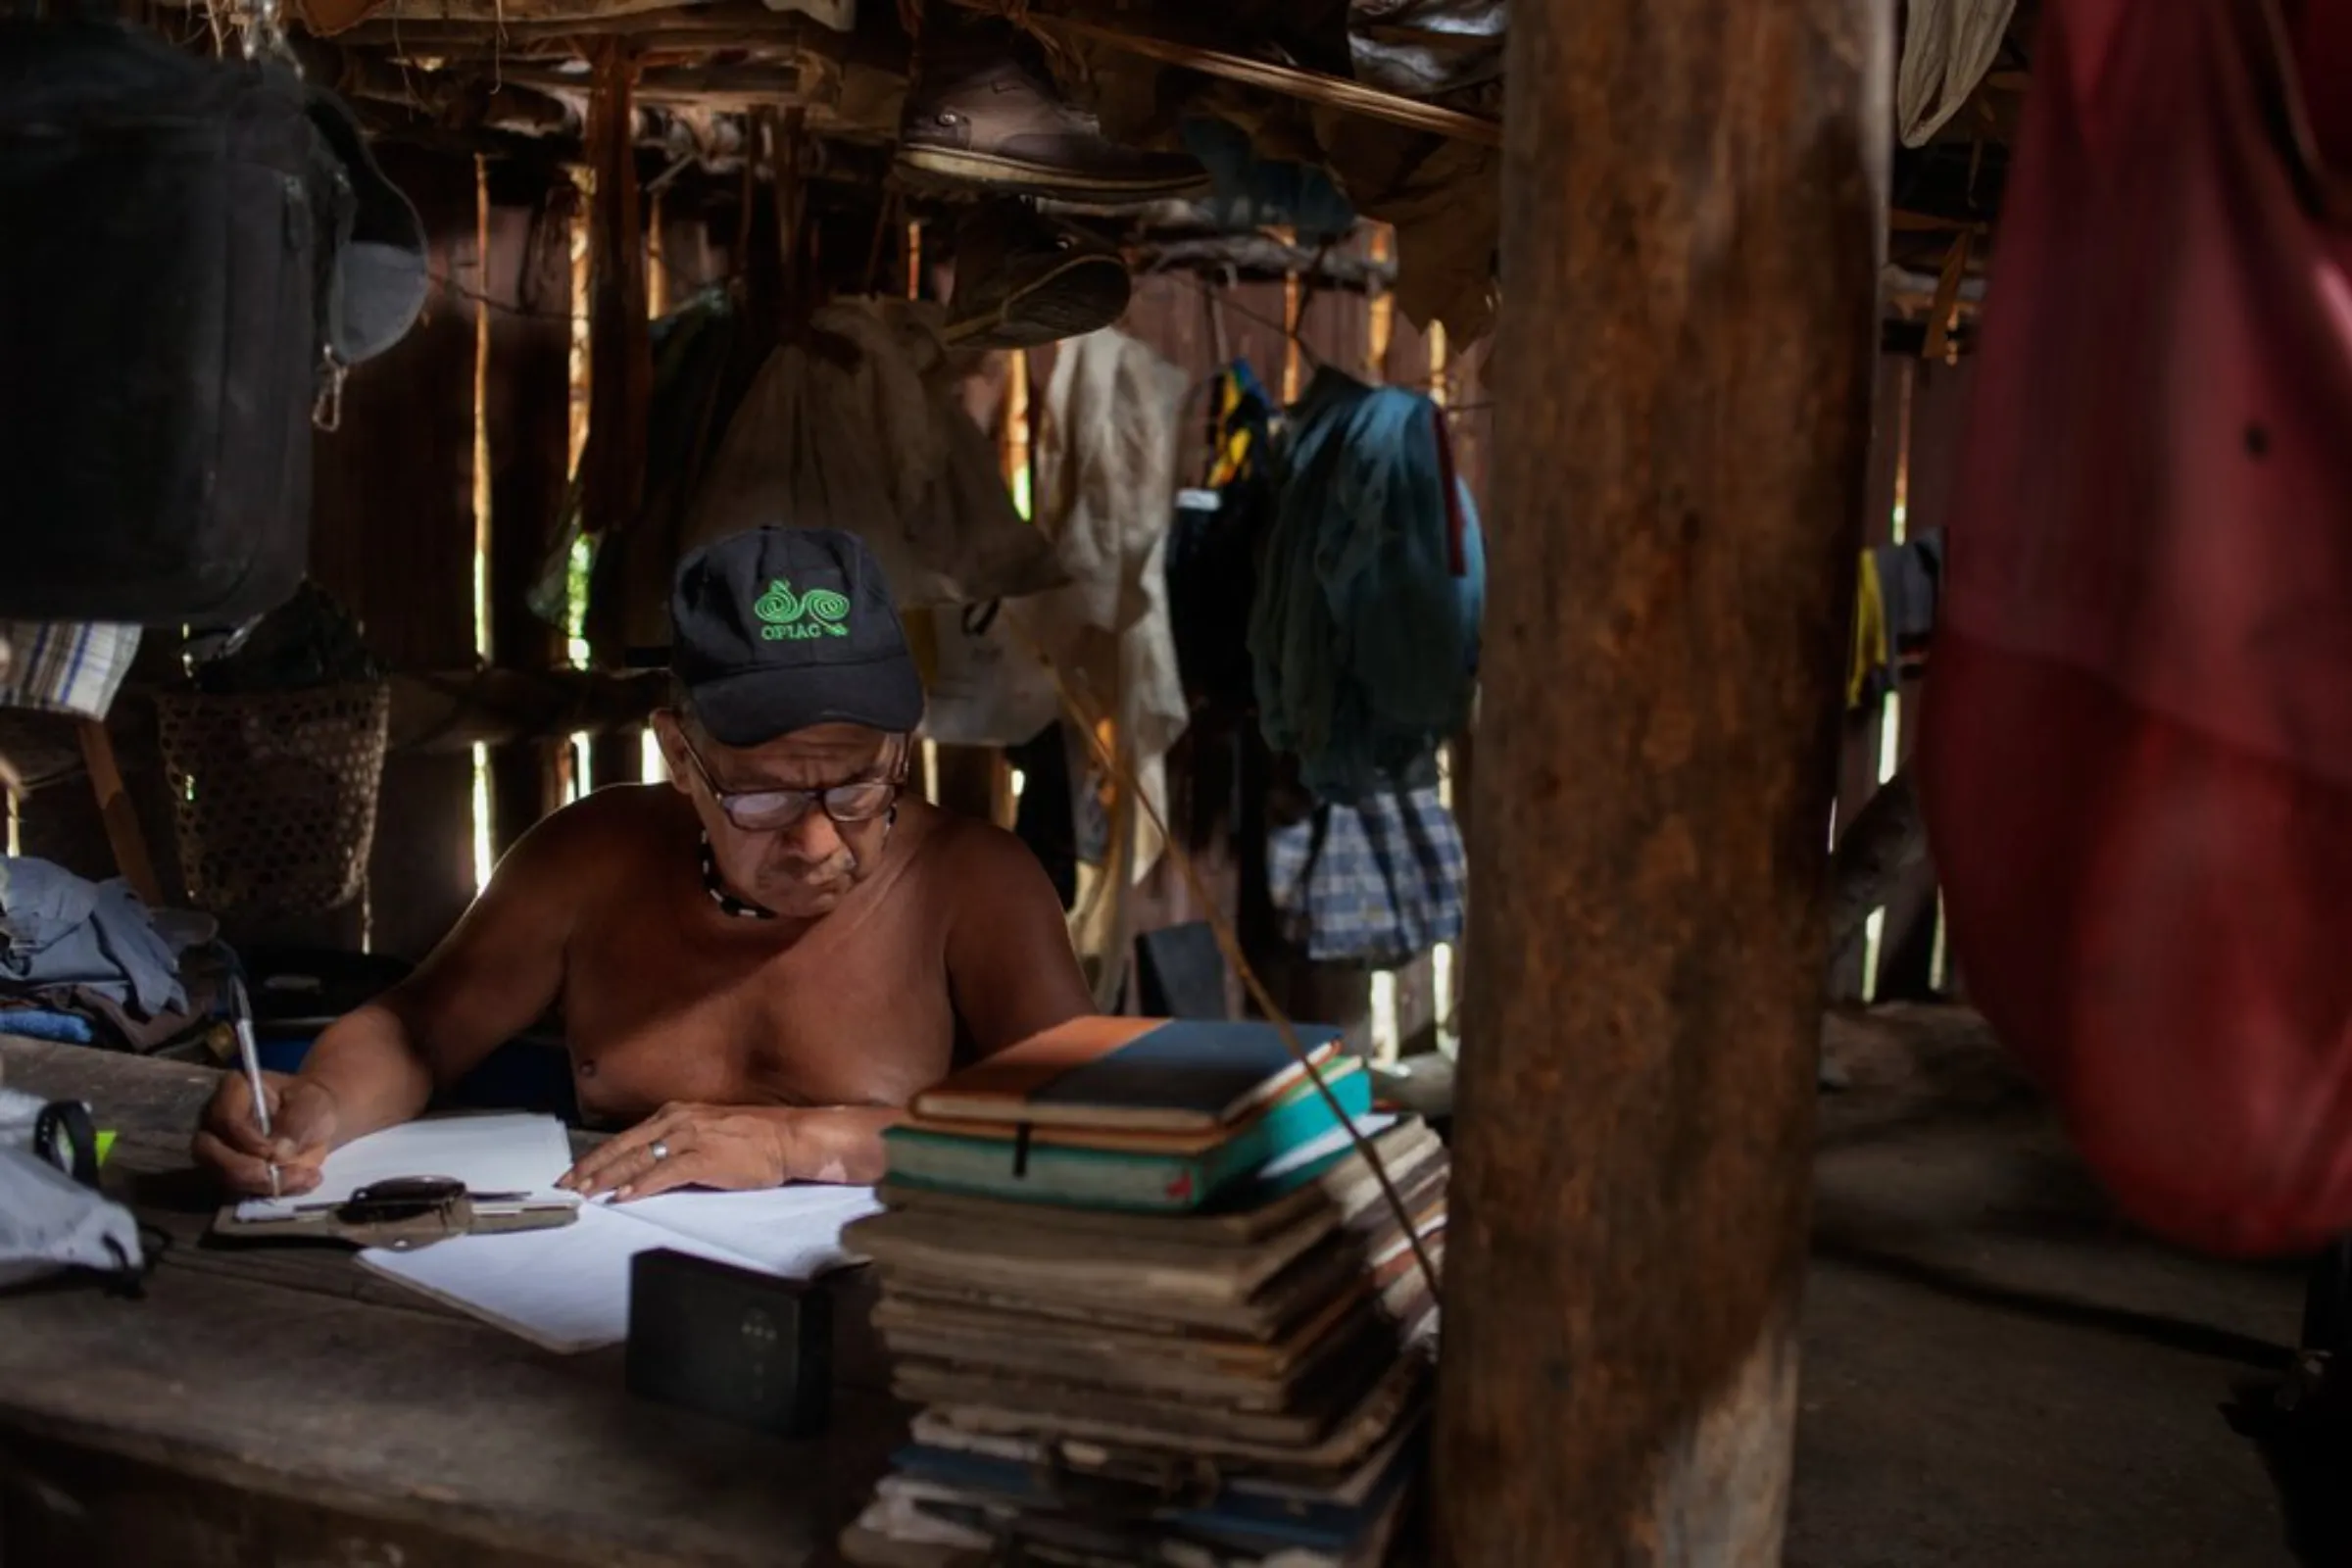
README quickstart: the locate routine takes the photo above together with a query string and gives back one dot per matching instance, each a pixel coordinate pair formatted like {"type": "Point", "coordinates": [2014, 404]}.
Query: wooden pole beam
{"type": "Point", "coordinates": [527, 226]}
{"type": "Point", "coordinates": [1259, 257]}
{"type": "Point", "coordinates": [456, 712]}
{"type": "Point", "coordinates": [732, 87]}
{"type": "Point", "coordinates": [973, 781]}
{"type": "Point", "coordinates": [735, 23]}
{"type": "Point", "coordinates": [1695, 209]}
{"type": "Point", "coordinates": [621, 371]}
{"type": "Point", "coordinates": [121, 818]}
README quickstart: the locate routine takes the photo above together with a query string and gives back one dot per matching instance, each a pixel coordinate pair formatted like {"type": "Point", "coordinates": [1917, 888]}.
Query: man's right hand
{"type": "Point", "coordinates": [302, 1123]}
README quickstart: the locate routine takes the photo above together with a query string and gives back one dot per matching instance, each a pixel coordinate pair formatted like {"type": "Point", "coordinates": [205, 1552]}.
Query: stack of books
{"type": "Point", "coordinates": [1157, 1308]}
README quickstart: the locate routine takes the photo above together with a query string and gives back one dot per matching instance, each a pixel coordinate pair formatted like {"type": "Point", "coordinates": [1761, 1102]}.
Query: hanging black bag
{"type": "Point", "coordinates": [196, 251]}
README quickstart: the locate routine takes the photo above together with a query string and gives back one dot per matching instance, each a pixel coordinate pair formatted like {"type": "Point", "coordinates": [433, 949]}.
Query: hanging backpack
{"type": "Point", "coordinates": [197, 251]}
{"type": "Point", "coordinates": [2137, 753]}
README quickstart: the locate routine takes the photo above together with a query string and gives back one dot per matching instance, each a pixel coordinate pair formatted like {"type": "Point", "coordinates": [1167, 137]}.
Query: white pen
{"type": "Point", "coordinates": [250, 1054]}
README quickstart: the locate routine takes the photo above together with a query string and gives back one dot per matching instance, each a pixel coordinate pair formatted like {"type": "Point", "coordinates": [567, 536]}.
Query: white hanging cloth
{"type": "Point", "coordinates": [1107, 444]}
{"type": "Point", "coordinates": [1948, 47]}
{"type": "Point", "coordinates": [1106, 497]}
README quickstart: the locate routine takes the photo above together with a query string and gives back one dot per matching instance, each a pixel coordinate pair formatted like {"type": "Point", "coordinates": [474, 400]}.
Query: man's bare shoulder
{"type": "Point", "coordinates": [971, 867]}
{"type": "Point", "coordinates": [627, 810]}
{"type": "Point", "coordinates": [606, 832]}
{"type": "Point", "coordinates": [1008, 950]}
{"type": "Point", "coordinates": [958, 847]}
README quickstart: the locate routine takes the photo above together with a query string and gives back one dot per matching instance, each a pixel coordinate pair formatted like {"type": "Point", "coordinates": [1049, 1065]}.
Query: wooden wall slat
{"type": "Point", "coordinates": [392, 537]}
{"type": "Point", "coordinates": [1863, 732]}
{"type": "Point", "coordinates": [1336, 329]}
{"type": "Point", "coordinates": [1938, 419]}
{"type": "Point", "coordinates": [621, 370]}
{"type": "Point", "coordinates": [527, 419]}
{"type": "Point", "coordinates": [1470, 418]}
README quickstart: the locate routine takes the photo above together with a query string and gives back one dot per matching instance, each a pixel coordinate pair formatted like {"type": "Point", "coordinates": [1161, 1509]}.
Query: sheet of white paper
{"type": "Point", "coordinates": [567, 1290]}
{"type": "Point", "coordinates": [1370, 1125]}
{"type": "Point", "coordinates": [503, 1153]}
{"type": "Point", "coordinates": [792, 1231]}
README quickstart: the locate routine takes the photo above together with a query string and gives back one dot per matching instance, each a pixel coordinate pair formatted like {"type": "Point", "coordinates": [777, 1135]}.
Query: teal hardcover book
{"type": "Point", "coordinates": [1266, 1154]}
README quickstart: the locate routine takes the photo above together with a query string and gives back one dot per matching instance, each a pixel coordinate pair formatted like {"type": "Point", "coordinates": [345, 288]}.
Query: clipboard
{"type": "Point", "coordinates": [402, 1214]}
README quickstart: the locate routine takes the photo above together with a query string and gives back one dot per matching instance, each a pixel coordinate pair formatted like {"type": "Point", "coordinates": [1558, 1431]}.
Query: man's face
{"type": "Point", "coordinates": [804, 869]}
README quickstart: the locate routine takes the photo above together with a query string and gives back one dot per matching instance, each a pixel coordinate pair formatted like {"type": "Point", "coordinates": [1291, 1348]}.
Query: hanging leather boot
{"type": "Point", "coordinates": [984, 111]}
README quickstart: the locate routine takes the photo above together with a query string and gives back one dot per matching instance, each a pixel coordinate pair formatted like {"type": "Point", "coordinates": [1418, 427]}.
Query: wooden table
{"type": "Point", "coordinates": [270, 1406]}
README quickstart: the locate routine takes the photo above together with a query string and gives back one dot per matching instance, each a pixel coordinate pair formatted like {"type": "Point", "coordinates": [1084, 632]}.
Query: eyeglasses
{"type": "Point", "coordinates": [774, 809]}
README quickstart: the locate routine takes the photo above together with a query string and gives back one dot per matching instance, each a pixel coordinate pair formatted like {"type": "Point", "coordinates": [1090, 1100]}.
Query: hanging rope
{"type": "Point", "coordinates": [1944, 313]}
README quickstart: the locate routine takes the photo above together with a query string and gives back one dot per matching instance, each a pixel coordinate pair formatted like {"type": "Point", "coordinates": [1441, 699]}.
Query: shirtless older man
{"type": "Point", "coordinates": [756, 964]}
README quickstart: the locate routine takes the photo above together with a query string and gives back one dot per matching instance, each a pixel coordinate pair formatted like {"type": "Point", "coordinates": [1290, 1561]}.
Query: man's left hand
{"type": "Point", "coordinates": [731, 1147]}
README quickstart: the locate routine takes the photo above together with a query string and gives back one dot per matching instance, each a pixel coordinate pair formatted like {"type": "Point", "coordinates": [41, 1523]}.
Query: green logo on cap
{"type": "Point", "coordinates": [798, 617]}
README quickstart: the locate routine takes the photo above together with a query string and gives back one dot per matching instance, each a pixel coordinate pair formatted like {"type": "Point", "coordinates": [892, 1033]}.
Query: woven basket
{"type": "Point", "coordinates": [273, 794]}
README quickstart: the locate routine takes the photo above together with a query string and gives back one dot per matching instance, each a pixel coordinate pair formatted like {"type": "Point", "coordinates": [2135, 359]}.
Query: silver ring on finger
{"type": "Point", "coordinates": [659, 1148]}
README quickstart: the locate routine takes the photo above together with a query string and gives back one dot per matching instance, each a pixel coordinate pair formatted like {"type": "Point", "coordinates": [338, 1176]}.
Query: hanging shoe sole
{"type": "Point", "coordinates": [934, 167]}
{"type": "Point", "coordinates": [1082, 294]}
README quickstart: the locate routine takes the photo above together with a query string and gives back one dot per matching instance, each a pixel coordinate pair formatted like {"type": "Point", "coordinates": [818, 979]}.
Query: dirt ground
{"type": "Point", "coordinates": [1997, 1372]}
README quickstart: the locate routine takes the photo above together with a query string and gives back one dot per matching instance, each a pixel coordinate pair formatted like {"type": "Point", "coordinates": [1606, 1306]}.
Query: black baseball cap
{"type": "Point", "coordinates": [781, 628]}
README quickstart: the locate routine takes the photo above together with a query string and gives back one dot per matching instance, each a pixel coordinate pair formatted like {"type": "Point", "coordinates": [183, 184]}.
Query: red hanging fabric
{"type": "Point", "coordinates": [2138, 758]}
{"type": "Point", "coordinates": [2323, 45]}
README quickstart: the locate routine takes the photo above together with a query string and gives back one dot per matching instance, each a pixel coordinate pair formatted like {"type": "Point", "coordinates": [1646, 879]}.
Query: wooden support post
{"type": "Point", "coordinates": [621, 371]}
{"type": "Point", "coordinates": [122, 832]}
{"type": "Point", "coordinates": [527, 416]}
{"type": "Point", "coordinates": [973, 781]}
{"type": "Point", "coordinates": [1694, 194]}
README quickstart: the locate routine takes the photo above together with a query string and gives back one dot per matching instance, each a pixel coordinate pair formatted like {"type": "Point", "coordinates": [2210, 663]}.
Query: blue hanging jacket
{"type": "Point", "coordinates": [1212, 550]}
{"type": "Point", "coordinates": [1363, 636]}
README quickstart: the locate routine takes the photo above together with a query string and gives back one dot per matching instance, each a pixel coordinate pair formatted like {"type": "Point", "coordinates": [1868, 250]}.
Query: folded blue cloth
{"type": "Point", "coordinates": [57, 930]}
{"type": "Point", "coordinates": [38, 1023]}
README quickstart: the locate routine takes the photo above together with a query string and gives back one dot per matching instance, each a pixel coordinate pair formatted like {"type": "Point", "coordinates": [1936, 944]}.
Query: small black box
{"type": "Point", "coordinates": [744, 1347]}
